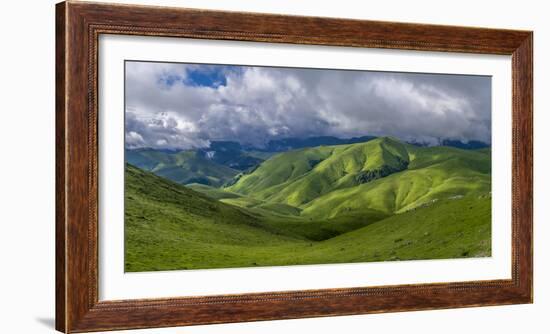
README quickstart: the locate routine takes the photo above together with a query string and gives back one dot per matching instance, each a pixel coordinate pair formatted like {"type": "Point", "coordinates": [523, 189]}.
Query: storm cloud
{"type": "Point", "coordinates": [183, 106]}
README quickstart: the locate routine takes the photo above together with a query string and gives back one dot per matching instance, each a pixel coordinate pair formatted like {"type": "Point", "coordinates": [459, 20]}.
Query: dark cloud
{"type": "Point", "coordinates": [252, 105]}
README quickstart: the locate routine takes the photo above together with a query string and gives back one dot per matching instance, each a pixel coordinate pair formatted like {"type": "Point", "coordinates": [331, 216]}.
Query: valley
{"type": "Point", "coordinates": [370, 199]}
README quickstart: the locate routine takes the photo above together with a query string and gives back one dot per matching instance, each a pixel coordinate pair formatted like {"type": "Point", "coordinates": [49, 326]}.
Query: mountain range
{"type": "Point", "coordinates": [222, 161]}
{"type": "Point", "coordinates": [373, 200]}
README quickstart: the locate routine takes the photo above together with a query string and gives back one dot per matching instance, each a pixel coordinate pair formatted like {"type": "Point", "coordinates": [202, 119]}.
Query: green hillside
{"type": "Point", "coordinates": [257, 206]}
{"type": "Point", "coordinates": [423, 182]}
{"type": "Point", "coordinates": [382, 174]}
{"type": "Point", "coordinates": [299, 176]}
{"type": "Point", "coordinates": [170, 226]}
{"type": "Point", "coordinates": [379, 200]}
{"type": "Point", "coordinates": [451, 228]}
{"type": "Point", "coordinates": [213, 192]}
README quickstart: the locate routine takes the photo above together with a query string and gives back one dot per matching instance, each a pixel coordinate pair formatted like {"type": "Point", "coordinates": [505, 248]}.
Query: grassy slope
{"type": "Point", "coordinates": [324, 181]}
{"type": "Point", "coordinates": [242, 201]}
{"type": "Point", "coordinates": [182, 167]}
{"type": "Point", "coordinates": [446, 229]}
{"type": "Point", "coordinates": [433, 173]}
{"type": "Point", "coordinates": [169, 226]}
{"type": "Point", "coordinates": [212, 192]}
{"type": "Point", "coordinates": [299, 176]}
{"type": "Point", "coordinates": [260, 154]}
{"type": "Point", "coordinates": [281, 168]}
{"type": "Point", "coordinates": [286, 218]}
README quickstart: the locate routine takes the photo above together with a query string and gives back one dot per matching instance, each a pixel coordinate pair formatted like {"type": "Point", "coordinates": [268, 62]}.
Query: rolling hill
{"type": "Point", "coordinates": [224, 162]}
{"type": "Point", "coordinates": [299, 176]}
{"type": "Point", "coordinates": [433, 174]}
{"type": "Point", "coordinates": [379, 200]}
{"type": "Point", "coordinates": [169, 226]}
{"type": "Point", "coordinates": [383, 174]}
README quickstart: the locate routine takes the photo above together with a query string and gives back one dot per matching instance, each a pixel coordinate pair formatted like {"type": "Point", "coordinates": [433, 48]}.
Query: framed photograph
{"type": "Point", "coordinates": [223, 167]}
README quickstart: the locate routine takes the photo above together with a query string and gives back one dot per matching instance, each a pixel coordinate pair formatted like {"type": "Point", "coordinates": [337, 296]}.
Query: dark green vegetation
{"type": "Point", "coordinates": [370, 201]}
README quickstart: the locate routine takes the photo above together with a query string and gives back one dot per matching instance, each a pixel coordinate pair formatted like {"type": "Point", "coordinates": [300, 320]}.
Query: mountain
{"type": "Point", "coordinates": [468, 145]}
{"type": "Point", "coordinates": [223, 160]}
{"type": "Point", "coordinates": [433, 174]}
{"type": "Point", "coordinates": [380, 200]}
{"type": "Point", "coordinates": [169, 226]}
{"type": "Point", "coordinates": [287, 144]}
{"type": "Point", "coordinates": [230, 154]}
{"type": "Point", "coordinates": [383, 174]}
{"type": "Point", "coordinates": [215, 165]}
{"type": "Point", "coordinates": [182, 167]}
{"type": "Point", "coordinates": [299, 176]}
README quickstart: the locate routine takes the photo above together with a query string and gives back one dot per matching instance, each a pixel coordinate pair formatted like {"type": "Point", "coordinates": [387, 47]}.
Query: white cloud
{"type": "Point", "coordinates": [261, 103]}
{"type": "Point", "coordinates": [134, 139]}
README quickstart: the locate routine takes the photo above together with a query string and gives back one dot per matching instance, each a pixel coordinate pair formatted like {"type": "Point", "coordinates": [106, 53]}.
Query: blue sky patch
{"type": "Point", "coordinates": [206, 76]}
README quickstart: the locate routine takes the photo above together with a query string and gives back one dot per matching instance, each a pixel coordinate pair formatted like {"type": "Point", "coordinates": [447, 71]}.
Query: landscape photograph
{"type": "Point", "coordinates": [231, 166]}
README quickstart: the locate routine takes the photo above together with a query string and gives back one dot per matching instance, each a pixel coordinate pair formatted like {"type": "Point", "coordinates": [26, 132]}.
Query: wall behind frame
{"type": "Point", "coordinates": [27, 71]}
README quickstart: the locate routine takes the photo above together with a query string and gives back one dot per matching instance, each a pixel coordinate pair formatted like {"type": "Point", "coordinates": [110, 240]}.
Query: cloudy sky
{"type": "Point", "coordinates": [183, 106]}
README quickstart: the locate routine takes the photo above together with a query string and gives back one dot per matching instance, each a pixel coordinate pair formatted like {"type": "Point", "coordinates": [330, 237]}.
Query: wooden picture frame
{"type": "Point", "coordinates": [78, 26]}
